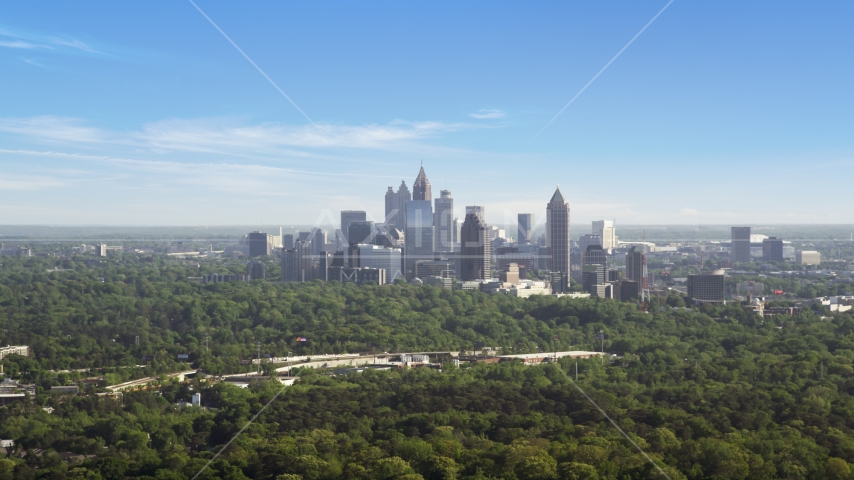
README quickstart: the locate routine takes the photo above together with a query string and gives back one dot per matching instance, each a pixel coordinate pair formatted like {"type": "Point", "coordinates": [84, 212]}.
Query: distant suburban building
{"type": "Point", "coordinates": [16, 251]}
{"type": "Point", "coordinates": [807, 257]}
{"type": "Point", "coordinates": [772, 249]}
{"type": "Point", "coordinates": [708, 287]}
{"type": "Point", "coordinates": [752, 288]}
{"type": "Point", "coordinates": [224, 277]}
{"type": "Point", "coordinates": [66, 390]}
{"type": "Point", "coordinates": [740, 245]}
{"type": "Point", "coordinates": [101, 250]}
{"type": "Point", "coordinates": [22, 350]}
{"type": "Point", "coordinates": [256, 270]}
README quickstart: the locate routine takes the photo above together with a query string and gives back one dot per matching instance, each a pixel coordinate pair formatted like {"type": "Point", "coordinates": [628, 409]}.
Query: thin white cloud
{"type": "Point", "coordinates": [689, 211]}
{"type": "Point", "coordinates": [48, 127]}
{"type": "Point", "coordinates": [50, 42]}
{"type": "Point", "coordinates": [231, 138]}
{"type": "Point", "coordinates": [488, 114]}
{"type": "Point", "coordinates": [17, 44]}
{"type": "Point", "coordinates": [33, 62]}
{"type": "Point", "coordinates": [14, 182]}
{"type": "Point", "coordinates": [158, 166]}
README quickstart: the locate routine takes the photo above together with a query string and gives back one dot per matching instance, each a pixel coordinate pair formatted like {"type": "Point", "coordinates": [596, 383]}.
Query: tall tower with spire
{"type": "Point", "coordinates": [421, 188]}
{"type": "Point", "coordinates": [558, 240]}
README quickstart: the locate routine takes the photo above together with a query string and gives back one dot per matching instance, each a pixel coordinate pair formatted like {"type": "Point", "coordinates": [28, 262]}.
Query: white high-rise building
{"type": "Point", "coordinates": [606, 231]}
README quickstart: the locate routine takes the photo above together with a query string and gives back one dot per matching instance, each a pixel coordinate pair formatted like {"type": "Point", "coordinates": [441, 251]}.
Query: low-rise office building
{"type": "Point", "coordinates": [708, 287]}
{"type": "Point", "coordinates": [808, 257]}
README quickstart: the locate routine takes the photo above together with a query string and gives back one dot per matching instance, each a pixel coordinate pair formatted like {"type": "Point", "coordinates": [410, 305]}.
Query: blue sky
{"type": "Point", "coordinates": [142, 113]}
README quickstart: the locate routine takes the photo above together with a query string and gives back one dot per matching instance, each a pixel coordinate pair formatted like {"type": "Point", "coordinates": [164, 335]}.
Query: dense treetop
{"type": "Point", "coordinates": [714, 392]}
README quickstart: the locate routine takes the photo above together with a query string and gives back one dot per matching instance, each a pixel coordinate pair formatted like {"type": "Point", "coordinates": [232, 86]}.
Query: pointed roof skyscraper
{"type": "Point", "coordinates": [421, 188]}
{"type": "Point", "coordinates": [557, 197]}
{"type": "Point", "coordinates": [558, 240]}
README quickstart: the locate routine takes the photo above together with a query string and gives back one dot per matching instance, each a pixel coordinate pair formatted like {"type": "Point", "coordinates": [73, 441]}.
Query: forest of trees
{"type": "Point", "coordinates": [714, 392]}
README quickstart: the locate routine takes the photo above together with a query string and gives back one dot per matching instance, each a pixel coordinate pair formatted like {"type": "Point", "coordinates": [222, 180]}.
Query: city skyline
{"type": "Point", "coordinates": [109, 124]}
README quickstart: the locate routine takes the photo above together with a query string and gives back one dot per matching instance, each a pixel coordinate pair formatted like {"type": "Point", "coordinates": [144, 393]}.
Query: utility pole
{"type": "Point", "coordinates": [554, 340]}
{"type": "Point", "coordinates": [576, 371]}
{"type": "Point", "coordinates": [207, 350]}
{"type": "Point", "coordinates": [259, 357]}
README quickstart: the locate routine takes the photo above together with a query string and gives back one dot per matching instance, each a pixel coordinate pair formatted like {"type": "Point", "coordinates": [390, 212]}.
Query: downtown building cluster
{"type": "Point", "coordinates": [421, 241]}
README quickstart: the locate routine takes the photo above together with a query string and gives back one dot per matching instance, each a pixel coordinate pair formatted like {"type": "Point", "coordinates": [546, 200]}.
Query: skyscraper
{"type": "Point", "coordinates": [475, 246]}
{"type": "Point", "coordinates": [348, 216]}
{"type": "Point", "coordinates": [259, 244]}
{"type": "Point", "coordinates": [740, 246]}
{"type": "Point", "coordinates": [772, 249]}
{"type": "Point", "coordinates": [318, 240]}
{"type": "Point", "coordinates": [421, 187]}
{"type": "Point", "coordinates": [361, 232]}
{"type": "Point", "coordinates": [358, 233]}
{"type": "Point", "coordinates": [477, 210]}
{"type": "Point", "coordinates": [636, 266]}
{"type": "Point", "coordinates": [443, 222]}
{"type": "Point", "coordinates": [297, 265]}
{"type": "Point", "coordinates": [594, 255]}
{"type": "Point", "coordinates": [458, 224]}
{"type": "Point", "coordinates": [607, 233]}
{"type": "Point", "coordinates": [418, 237]}
{"type": "Point", "coordinates": [557, 238]}
{"type": "Point", "coordinates": [395, 206]}
{"type": "Point", "coordinates": [526, 224]}
{"type": "Point", "coordinates": [288, 241]}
